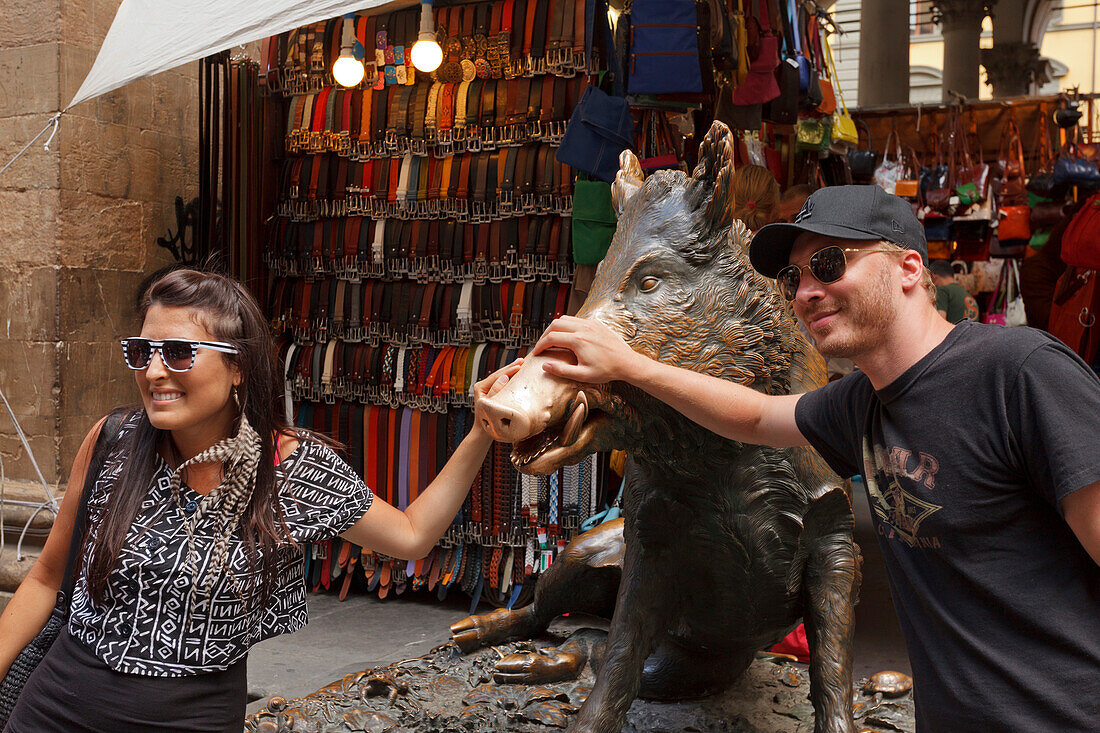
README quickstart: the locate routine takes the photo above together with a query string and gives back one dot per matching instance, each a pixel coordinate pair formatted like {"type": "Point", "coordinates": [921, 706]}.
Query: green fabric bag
{"type": "Point", "coordinates": [594, 221]}
{"type": "Point", "coordinates": [1038, 239]}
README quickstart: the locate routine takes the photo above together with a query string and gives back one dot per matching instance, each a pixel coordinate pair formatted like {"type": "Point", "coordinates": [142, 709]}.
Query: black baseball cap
{"type": "Point", "coordinates": [846, 212]}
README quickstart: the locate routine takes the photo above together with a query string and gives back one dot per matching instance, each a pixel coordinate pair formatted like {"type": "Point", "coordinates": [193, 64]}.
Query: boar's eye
{"type": "Point", "coordinates": [649, 284]}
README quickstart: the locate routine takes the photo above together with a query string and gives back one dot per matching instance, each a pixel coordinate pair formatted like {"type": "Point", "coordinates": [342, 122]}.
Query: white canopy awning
{"type": "Point", "coordinates": [150, 36]}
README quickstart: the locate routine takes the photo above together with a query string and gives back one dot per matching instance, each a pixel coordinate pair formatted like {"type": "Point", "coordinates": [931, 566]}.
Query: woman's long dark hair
{"type": "Point", "coordinates": [232, 315]}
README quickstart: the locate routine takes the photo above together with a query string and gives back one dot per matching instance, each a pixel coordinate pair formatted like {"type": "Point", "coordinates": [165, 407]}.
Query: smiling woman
{"type": "Point", "coordinates": [191, 550]}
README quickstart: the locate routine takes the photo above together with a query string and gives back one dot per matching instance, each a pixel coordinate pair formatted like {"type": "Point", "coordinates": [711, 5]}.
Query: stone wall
{"type": "Point", "coordinates": [78, 224]}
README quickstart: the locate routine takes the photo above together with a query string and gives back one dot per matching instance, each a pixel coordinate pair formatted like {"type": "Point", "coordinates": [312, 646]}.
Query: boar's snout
{"type": "Point", "coordinates": [504, 423]}
{"type": "Point", "coordinates": [548, 420]}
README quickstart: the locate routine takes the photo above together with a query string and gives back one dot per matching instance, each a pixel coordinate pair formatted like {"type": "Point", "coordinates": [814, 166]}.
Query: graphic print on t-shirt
{"type": "Point", "coordinates": [890, 474]}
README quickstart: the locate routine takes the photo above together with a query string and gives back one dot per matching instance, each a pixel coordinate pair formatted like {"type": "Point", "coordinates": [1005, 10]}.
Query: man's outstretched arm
{"type": "Point", "coordinates": [729, 409]}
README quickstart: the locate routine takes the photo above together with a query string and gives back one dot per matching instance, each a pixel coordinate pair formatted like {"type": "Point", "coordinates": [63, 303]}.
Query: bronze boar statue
{"type": "Point", "coordinates": [724, 547]}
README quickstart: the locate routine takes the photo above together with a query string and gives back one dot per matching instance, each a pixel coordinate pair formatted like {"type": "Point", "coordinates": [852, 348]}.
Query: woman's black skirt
{"type": "Point", "coordinates": [74, 691]}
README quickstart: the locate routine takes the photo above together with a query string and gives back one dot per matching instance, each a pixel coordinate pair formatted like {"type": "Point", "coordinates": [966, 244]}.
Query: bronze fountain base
{"type": "Point", "coordinates": [446, 691]}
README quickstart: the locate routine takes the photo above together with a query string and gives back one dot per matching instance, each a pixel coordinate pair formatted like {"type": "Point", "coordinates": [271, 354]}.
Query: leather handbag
{"type": "Point", "coordinates": [664, 48]}
{"type": "Point", "coordinates": [594, 221]}
{"type": "Point", "coordinates": [33, 653]}
{"type": "Point", "coordinates": [656, 148]}
{"type": "Point", "coordinates": [783, 110]}
{"type": "Point", "coordinates": [932, 177]}
{"type": "Point", "coordinates": [812, 134]}
{"type": "Point", "coordinates": [1045, 214]}
{"type": "Point", "coordinates": [1009, 186]}
{"type": "Point", "coordinates": [599, 129]}
{"type": "Point", "coordinates": [937, 228]}
{"type": "Point", "coordinates": [1073, 312]}
{"type": "Point", "coordinates": [1073, 169]}
{"type": "Point", "coordinates": [1040, 182]}
{"type": "Point", "coordinates": [828, 93]}
{"type": "Point", "coordinates": [890, 169]}
{"type": "Point", "coordinates": [760, 85]}
{"type": "Point", "coordinates": [1006, 306]}
{"type": "Point", "coordinates": [971, 175]}
{"type": "Point", "coordinates": [863, 161]}
{"type": "Point", "coordinates": [1081, 240]}
{"type": "Point", "coordinates": [844, 127]}
{"type": "Point", "coordinates": [1015, 223]}
{"type": "Point", "coordinates": [970, 239]}
{"type": "Point", "coordinates": [809, 83]}
{"type": "Point", "coordinates": [908, 185]}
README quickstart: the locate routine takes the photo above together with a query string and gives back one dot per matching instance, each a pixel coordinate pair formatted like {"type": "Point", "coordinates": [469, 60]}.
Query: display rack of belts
{"type": "Point", "coordinates": [422, 240]}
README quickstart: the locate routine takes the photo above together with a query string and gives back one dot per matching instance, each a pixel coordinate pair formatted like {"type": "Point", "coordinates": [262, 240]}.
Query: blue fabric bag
{"type": "Point", "coordinates": [664, 48]}
{"type": "Point", "coordinates": [599, 130]}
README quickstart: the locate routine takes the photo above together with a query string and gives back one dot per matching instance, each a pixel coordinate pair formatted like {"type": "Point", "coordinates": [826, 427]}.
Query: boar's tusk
{"type": "Point", "coordinates": [572, 429]}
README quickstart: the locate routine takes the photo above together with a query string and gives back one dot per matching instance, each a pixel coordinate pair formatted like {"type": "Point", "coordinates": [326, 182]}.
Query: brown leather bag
{"type": "Point", "coordinates": [1009, 187]}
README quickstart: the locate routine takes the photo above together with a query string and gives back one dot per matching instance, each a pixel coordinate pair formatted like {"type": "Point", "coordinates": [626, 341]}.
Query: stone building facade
{"type": "Point", "coordinates": [78, 223]}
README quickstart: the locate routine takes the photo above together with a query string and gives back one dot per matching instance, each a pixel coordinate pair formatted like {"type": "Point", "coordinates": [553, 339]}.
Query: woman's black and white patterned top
{"type": "Point", "coordinates": [145, 625]}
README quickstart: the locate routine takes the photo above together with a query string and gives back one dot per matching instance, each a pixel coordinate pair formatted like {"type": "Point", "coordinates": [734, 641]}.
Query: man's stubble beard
{"type": "Point", "coordinates": [865, 320]}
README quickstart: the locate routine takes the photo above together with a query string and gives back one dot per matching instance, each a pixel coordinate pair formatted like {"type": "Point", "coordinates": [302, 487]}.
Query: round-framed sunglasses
{"type": "Point", "coordinates": [178, 355]}
{"type": "Point", "coordinates": [828, 265]}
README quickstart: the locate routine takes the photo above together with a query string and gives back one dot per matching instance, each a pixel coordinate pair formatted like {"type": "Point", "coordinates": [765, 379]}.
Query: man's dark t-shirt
{"type": "Point", "coordinates": [965, 457]}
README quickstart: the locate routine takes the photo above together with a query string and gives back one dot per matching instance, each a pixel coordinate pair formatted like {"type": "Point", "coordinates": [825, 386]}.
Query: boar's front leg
{"type": "Point", "coordinates": [640, 618]}
{"type": "Point", "coordinates": [831, 578]}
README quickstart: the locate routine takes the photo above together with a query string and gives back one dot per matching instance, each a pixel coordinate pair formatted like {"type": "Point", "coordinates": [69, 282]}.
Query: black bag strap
{"type": "Point", "coordinates": [108, 434]}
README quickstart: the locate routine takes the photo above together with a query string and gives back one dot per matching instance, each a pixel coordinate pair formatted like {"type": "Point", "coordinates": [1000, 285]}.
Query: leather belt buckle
{"type": "Point", "coordinates": [553, 61]}
{"type": "Point", "coordinates": [488, 137]}
{"type": "Point", "coordinates": [473, 139]}
{"type": "Point", "coordinates": [496, 272]}
{"type": "Point", "coordinates": [579, 60]}
{"type": "Point", "coordinates": [557, 132]}
{"type": "Point", "coordinates": [481, 271]}
{"type": "Point", "coordinates": [418, 146]}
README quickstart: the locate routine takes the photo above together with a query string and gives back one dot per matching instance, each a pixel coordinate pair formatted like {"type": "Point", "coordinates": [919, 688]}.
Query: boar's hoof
{"type": "Point", "coordinates": [542, 667]}
{"type": "Point", "coordinates": [495, 627]}
{"type": "Point", "coordinates": [889, 683]}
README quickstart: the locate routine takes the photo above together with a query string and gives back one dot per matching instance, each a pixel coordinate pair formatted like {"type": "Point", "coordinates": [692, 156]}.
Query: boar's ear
{"type": "Point", "coordinates": [713, 176]}
{"type": "Point", "coordinates": [628, 181]}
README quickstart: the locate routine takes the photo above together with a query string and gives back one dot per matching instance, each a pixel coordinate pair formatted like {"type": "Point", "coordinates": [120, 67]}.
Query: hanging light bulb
{"type": "Point", "coordinates": [426, 53]}
{"type": "Point", "coordinates": [348, 69]}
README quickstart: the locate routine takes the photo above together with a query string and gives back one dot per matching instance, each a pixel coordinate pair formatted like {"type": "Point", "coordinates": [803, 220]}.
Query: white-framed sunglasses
{"type": "Point", "coordinates": [178, 355]}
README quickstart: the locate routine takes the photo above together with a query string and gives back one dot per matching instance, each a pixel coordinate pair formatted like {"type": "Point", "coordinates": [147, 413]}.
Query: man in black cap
{"type": "Point", "coordinates": [991, 536]}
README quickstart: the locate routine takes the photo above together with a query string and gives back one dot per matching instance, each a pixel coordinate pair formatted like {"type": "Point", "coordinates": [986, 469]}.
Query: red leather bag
{"type": "Point", "coordinates": [1015, 223]}
{"type": "Point", "coordinates": [760, 85]}
{"type": "Point", "coordinates": [1081, 241]}
{"type": "Point", "coordinates": [1073, 312]}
